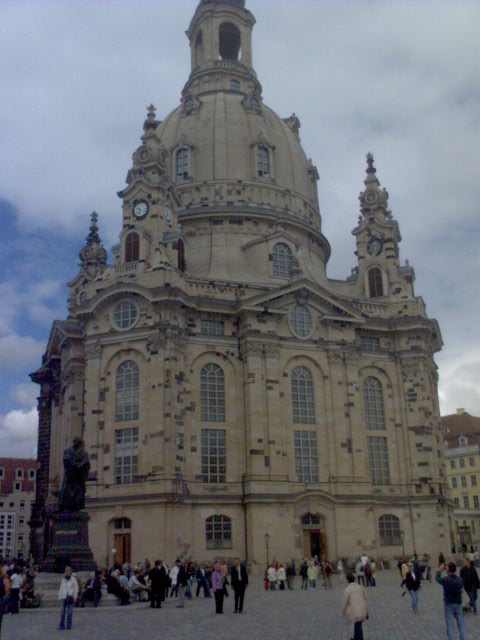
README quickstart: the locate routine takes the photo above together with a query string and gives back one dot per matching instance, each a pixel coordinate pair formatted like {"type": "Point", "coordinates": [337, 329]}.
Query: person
{"type": "Point", "coordinates": [373, 567]}
{"type": "Point", "coordinates": [16, 581]}
{"type": "Point", "coordinates": [136, 586]}
{"type": "Point", "coordinates": [327, 575]}
{"type": "Point", "coordinates": [412, 582]}
{"type": "Point", "coordinates": [239, 582]}
{"type": "Point", "coordinates": [403, 572]}
{"type": "Point", "coordinates": [202, 582]}
{"type": "Point", "coordinates": [312, 574]}
{"type": "Point", "coordinates": [340, 567]}
{"type": "Point", "coordinates": [452, 599]}
{"type": "Point", "coordinates": [117, 589]}
{"type": "Point", "coordinates": [469, 575]}
{"type": "Point", "coordinates": [290, 571]}
{"type": "Point", "coordinates": [272, 578]}
{"type": "Point", "coordinates": [181, 583]}
{"type": "Point", "coordinates": [359, 571]}
{"type": "Point", "coordinates": [367, 570]}
{"type": "Point", "coordinates": [218, 585]}
{"type": "Point", "coordinates": [476, 557]}
{"type": "Point", "coordinates": [92, 589]}
{"type": "Point", "coordinates": [67, 593]}
{"type": "Point", "coordinates": [158, 576]}
{"type": "Point", "coordinates": [173, 579]}
{"type": "Point", "coordinates": [304, 574]}
{"type": "Point", "coordinates": [354, 606]}
{"type": "Point", "coordinates": [281, 577]}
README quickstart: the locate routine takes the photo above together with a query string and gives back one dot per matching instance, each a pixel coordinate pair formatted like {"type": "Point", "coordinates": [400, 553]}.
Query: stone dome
{"type": "Point", "coordinates": [223, 134]}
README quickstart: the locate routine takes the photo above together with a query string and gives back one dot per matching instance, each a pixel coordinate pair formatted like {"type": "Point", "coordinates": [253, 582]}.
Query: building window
{"type": "Point", "coordinates": [312, 519]}
{"type": "Point", "coordinates": [466, 502]}
{"type": "Point", "coordinates": [120, 524]}
{"type": "Point", "coordinates": [471, 462]}
{"type": "Point", "coordinates": [214, 456]}
{"type": "Point", "coordinates": [454, 483]}
{"type": "Point", "coordinates": [389, 528]}
{"type": "Point", "coordinates": [300, 321]}
{"type": "Point", "coordinates": [21, 521]}
{"type": "Point", "coordinates": [463, 480]}
{"type": "Point", "coordinates": [19, 474]}
{"type": "Point", "coordinates": [181, 164]}
{"type": "Point", "coordinates": [181, 262]}
{"type": "Point", "coordinates": [126, 456]}
{"type": "Point", "coordinates": [306, 456]}
{"type": "Point", "coordinates": [254, 104]}
{"type": "Point", "coordinates": [378, 460]}
{"type": "Point", "coordinates": [373, 404]}
{"type": "Point", "coordinates": [282, 260]}
{"type": "Point", "coordinates": [212, 393]}
{"type": "Point", "coordinates": [125, 315]}
{"type": "Point", "coordinates": [263, 162]}
{"type": "Point", "coordinates": [473, 480]}
{"type": "Point", "coordinates": [218, 531]}
{"type": "Point", "coordinates": [462, 441]}
{"type": "Point", "coordinates": [234, 85]}
{"type": "Point", "coordinates": [476, 503]}
{"type": "Point", "coordinates": [457, 502]}
{"type": "Point", "coordinates": [303, 402]}
{"type": "Point", "coordinates": [2, 473]}
{"type": "Point", "coordinates": [375, 283]}
{"type": "Point", "coordinates": [17, 486]}
{"type": "Point", "coordinates": [452, 464]}
{"type": "Point", "coordinates": [212, 327]}
{"type": "Point", "coordinates": [369, 343]}
{"type": "Point", "coordinates": [31, 474]}
{"type": "Point", "coordinates": [127, 392]}
{"type": "Point", "coordinates": [462, 463]}
{"type": "Point", "coordinates": [132, 247]}
{"type": "Point", "coordinates": [22, 505]}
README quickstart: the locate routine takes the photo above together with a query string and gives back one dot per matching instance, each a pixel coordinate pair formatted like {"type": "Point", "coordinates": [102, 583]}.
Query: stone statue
{"type": "Point", "coordinates": [77, 467]}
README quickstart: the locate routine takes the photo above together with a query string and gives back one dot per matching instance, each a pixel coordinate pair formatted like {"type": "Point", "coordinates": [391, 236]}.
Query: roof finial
{"type": "Point", "coordinates": [150, 122]}
{"type": "Point", "coordinates": [370, 167]}
{"type": "Point", "coordinates": [93, 235]}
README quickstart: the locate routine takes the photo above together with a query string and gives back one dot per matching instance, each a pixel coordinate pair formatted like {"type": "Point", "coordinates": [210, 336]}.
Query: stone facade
{"type": "Point", "coordinates": [224, 385]}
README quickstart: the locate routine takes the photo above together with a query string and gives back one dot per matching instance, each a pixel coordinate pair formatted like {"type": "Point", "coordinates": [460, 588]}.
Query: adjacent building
{"type": "Point", "coordinates": [227, 388]}
{"type": "Point", "coordinates": [17, 493]}
{"type": "Point", "coordinates": [462, 468]}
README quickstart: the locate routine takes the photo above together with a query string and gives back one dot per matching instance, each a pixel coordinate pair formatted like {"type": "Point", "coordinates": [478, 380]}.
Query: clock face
{"type": "Point", "coordinates": [140, 210]}
{"type": "Point", "coordinates": [370, 197]}
{"type": "Point", "coordinates": [168, 214]}
{"type": "Point", "coordinates": [375, 247]}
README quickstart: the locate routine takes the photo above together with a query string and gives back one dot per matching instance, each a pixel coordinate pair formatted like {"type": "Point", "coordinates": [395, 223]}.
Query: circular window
{"type": "Point", "coordinates": [125, 315]}
{"type": "Point", "coordinates": [300, 321]}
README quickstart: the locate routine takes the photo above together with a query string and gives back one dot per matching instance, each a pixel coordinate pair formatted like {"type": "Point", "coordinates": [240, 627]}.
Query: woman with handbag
{"type": "Point", "coordinates": [354, 606]}
{"type": "Point", "coordinates": [67, 593]}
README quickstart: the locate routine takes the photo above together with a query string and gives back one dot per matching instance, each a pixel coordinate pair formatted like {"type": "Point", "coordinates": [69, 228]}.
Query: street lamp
{"type": "Point", "coordinates": [267, 538]}
{"type": "Point", "coordinates": [402, 536]}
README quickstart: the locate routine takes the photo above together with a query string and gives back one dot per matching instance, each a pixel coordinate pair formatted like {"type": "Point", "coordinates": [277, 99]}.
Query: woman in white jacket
{"type": "Point", "coordinates": [354, 606]}
{"type": "Point", "coordinates": [67, 593]}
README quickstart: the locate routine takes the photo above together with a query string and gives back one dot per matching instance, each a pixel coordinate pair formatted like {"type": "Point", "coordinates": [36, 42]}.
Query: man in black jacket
{"type": "Point", "coordinates": [412, 582]}
{"type": "Point", "coordinates": [158, 579]}
{"type": "Point", "coordinates": [239, 578]}
{"type": "Point", "coordinates": [471, 583]}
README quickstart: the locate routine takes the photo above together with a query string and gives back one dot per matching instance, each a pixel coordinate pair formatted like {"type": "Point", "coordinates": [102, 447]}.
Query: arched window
{"type": "Point", "coordinates": [212, 393]}
{"type": "Point", "coordinates": [282, 260]}
{"type": "Point", "coordinates": [300, 320]}
{"type": "Point", "coordinates": [389, 529]}
{"type": "Point", "coordinates": [218, 531]}
{"type": "Point", "coordinates": [263, 162]}
{"type": "Point", "coordinates": [182, 265]}
{"type": "Point", "coordinates": [302, 396]}
{"type": "Point", "coordinates": [181, 164]}
{"type": "Point", "coordinates": [375, 283]}
{"type": "Point", "coordinates": [198, 48]}
{"type": "Point", "coordinates": [127, 392]}
{"type": "Point", "coordinates": [254, 104]}
{"type": "Point", "coordinates": [229, 41]}
{"type": "Point", "coordinates": [132, 247]}
{"type": "Point", "coordinates": [373, 404]}
{"type": "Point", "coordinates": [120, 524]}
{"type": "Point", "coordinates": [235, 85]}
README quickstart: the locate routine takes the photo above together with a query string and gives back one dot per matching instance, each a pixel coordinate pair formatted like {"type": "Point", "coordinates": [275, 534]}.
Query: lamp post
{"type": "Point", "coordinates": [267, 539]}
{"type": "Point", "coordinates": [402, 536]}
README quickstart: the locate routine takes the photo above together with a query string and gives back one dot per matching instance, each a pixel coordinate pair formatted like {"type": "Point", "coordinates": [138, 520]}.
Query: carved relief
{"type": "Point", "coordinates": [93, 350]}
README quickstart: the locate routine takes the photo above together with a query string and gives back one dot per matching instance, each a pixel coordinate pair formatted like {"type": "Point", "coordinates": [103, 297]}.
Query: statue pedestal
{"type": "Point", "coordinates": [69, 531]}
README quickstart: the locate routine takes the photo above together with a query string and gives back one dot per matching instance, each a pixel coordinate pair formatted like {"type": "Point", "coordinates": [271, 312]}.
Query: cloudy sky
{"type": "Point", "coordinates": [400, 79]}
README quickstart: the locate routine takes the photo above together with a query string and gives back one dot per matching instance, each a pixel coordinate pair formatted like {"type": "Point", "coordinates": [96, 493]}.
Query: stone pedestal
{"type": "Point", "coordinates": [69, 543]}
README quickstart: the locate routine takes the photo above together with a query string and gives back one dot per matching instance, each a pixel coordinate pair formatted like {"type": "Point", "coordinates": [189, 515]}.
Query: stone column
{"type": "Point", "coordinates": [275, 464]}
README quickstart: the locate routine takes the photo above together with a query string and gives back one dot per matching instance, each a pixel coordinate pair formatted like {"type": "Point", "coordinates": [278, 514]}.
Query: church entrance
{"type": "Point", "coordinates": [313, 536]}
{"type": "Point", "coordinates": [122, 540]}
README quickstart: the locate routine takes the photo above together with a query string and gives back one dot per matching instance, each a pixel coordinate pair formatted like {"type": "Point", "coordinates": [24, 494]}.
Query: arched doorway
{"type": "Point", "coordinates": [314, 537]}
{"type": "Point", "coordinates": [122, 540]}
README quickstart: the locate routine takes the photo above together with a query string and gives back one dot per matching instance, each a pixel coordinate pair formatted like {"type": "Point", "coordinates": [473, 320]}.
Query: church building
{"type": "Point", "coordinates": [224, 386]}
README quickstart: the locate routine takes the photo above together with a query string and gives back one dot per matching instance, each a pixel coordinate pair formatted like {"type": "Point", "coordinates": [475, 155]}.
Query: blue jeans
{"type": "Point", "coordinates": [313, 584]}
{"type": "Point", "coordinates": [455, 612]}
{"type": "Point", "coordinates": [66, 609]}
{"type": "Point", "coordinates": [414, 597]}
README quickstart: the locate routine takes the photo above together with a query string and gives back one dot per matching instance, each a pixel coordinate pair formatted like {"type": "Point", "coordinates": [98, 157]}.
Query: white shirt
{"type": "Point", "coordinates": [364, 560]}
{"type": "Point", "coordinates": [16, 580]}
{"type": "Point", "coordinates": [174, 574]}
{"type": "Point", "coordinates": [271, 574]}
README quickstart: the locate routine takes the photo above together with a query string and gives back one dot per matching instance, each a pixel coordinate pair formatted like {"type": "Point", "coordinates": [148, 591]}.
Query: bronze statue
{"type": "Point", "coordinates": [77, 467]}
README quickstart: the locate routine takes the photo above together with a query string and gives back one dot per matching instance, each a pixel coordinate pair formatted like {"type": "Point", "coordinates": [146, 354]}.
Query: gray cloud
{"type": "Point", "coordinates": [399, 79]}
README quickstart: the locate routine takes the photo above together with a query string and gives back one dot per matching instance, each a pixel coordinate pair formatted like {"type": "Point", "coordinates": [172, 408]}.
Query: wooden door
{"type": "Point", "coordinates": [306, 544]}
{"type": "Point", "coordinates": [122, 545]}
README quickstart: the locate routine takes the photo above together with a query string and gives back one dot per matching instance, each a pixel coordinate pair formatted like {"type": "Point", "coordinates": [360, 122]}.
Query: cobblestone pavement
{"type": "Point", "coordinates": [267, 616]}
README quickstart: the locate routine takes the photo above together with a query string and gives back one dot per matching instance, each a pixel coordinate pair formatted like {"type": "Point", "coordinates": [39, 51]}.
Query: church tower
{"type": "Point", "coordinates": [225, 387]}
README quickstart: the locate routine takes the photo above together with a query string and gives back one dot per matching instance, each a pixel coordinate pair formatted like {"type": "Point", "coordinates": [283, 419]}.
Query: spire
{"type": "Point", "coordinates": [93, 236]}
{"type": "Point", "coordinates": [93, 256]}
{"type": "Point", "coordinates": [151, 122]}
{"type": "Point", "coordinates": [370, 167]}
{"type": "Point", "coordinates": [373, 199]}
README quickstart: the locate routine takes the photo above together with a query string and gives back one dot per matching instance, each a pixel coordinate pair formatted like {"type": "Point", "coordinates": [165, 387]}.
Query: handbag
{"type": "Point", "coordinates": [225, 591]}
